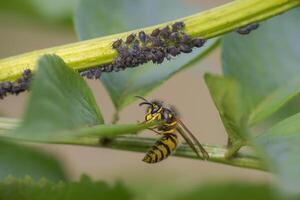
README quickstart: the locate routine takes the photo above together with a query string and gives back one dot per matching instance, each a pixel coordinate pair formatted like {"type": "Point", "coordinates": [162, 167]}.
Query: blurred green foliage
{"type": "Point", "coordinates": [230, 191]}
{"type": "Point", "coordinates": [18, 161]}
{"type": "Point", "coordinates": [26, 188]}
{"type": "Point", "coordinates": [54, 12]}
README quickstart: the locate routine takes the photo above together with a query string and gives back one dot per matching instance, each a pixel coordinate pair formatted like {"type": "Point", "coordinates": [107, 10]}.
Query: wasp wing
{"type": "Point", "coordinates": [185, 129]}
{"type": "Point", "coordinates": [188, 140]}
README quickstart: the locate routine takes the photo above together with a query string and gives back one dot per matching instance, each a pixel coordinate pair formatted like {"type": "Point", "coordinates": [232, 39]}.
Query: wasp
{"type": "Point", "coordinates": [171, 125]}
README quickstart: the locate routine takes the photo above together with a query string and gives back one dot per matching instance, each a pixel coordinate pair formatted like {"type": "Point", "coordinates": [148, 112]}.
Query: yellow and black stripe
{"type": "Point", "coordinates": [162, 148]}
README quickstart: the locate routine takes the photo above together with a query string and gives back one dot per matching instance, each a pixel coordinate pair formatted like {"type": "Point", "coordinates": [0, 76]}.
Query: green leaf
{"type": "Point", "coordinates": [230, 191]}
{"type": "Point", "coordinates": [18, 161]}
{"type": "Point", "coordinates": [96, 18]}
{"type": "Point", "coordinates": [281, 144]}
{"type": "Point", "coordinates": [264, 62]}
{"type": "Point", "coordinates": [111, 130]}
{"type": "Point", "coordinates": [45, 11]}
{"type": "Point", "coordinates": [60, 101]}
{"type": "Point", "coordinates": [26, 188]}
{"type": "Point", "coordinates": [226, 95]}
{"type": "Point", "coordinates": [275, 101]}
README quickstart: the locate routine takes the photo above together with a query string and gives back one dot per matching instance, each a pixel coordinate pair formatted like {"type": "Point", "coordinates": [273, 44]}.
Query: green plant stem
{"type": "Point", "coordinates": [207, 24]}
{"type": "Point", "coordinates": [115, 117]}
{"type": "Point", "coordinates": [140, 144]}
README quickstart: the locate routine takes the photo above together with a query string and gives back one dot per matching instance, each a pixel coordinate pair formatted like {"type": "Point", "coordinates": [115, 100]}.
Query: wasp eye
{"type": "Point", "coordinates": [155, 109]}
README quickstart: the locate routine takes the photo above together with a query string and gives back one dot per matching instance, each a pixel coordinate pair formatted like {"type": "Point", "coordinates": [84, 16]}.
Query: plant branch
{"type": "Point", "coordinates": [140, 144]}
{"type": "Point", "coordinates": [207, 24]}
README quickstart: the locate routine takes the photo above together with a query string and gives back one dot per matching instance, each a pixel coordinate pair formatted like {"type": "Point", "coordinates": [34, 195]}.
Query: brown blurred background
{"type": "Point", "coordinates": [186, 90]}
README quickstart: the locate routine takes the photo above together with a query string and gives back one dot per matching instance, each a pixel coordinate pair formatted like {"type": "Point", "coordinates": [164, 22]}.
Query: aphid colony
{"type": "Point", "coordinates": [137, 49]}
{"type": "Point", "coordinates": [247, 29]}
{"type": "Point", "coordinates": [171, 125]}
{"type": "Point", "coordinates": [20, 85]}
{"type": "Point", "coordinates": [141, 48]}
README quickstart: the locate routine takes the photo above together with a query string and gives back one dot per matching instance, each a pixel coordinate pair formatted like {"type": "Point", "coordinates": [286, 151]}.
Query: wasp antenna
{"type": "Point", "coordinates": [139, 97]}
{"type": "Point", "coordinates": [145, 103]}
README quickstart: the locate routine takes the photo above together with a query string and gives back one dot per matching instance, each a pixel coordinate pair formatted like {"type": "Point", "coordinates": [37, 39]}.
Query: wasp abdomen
{"type": "Point", "coordinates": [161, 149]}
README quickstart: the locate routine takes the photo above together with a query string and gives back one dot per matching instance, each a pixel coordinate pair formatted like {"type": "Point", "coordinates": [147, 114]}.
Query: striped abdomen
{"type": "Point", "coordinates": [162, 148]}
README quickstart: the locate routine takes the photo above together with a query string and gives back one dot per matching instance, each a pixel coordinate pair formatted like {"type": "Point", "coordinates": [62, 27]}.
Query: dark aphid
{"type": "Point", "coordinates": [198, 42]}
{"type": "Point", "coordinates": [89, 74]}
{"type": "Point", "coordinates": [185, 39]}
{"type": "Point", "coordinates": [27, 73]}
{"type": "Point", "coordinates": [136, 45]}
{"type": "Point", "coordinates": [83, 73]}
{"type": "Point", "coordinates": [155, 32]}
{"type": "Point", "coordinates": [185, 48]}
{"type": "Point", "coordinates": [173, 51]}
{"type": "Point", "coordinates": [117, 44]}
{"type": "Point", "coordinates": [16, 88]}
{"type": "Point", "coordinates": [159, 56]}
{"type": "Point", "coordinates": [130, 38]}
{"type": "Point", "coordinates": [123, 51]}
{"type": "Point", "coordinates": [177, 26]}
{"type": "Point", "coordinates": [157, 42]}
{"type": "Point", "coordinates": [149, 56]}
{"type": "Point", "coordinates": [97, 73]}
{"type": "Point", "coordinates": [247, 29]}
{"type": "Point", "coordinates": [174, 37]}
{"type": "Point", "coordinates": [108, 68]}
{"type": "Point", "coordinates": [142, 37]}
{"type": "Point", "coordinates": [165, 32]}
{"type": "Point", "coordinates": [6, 85]}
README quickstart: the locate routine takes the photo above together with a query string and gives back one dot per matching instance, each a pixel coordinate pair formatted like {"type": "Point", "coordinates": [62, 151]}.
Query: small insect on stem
{"type": "Point", "coordinates": [177, 26]}
{"type": "Point", "coordinates": [130, 38]}
{"type": "Point", "coordinates": [171, 125]}
{"type": "Point", "coordinates": [142, 37]}
{"type": "Point", "coordinates": [117, 44]}
{"type": "Point", "coordinates": [155, 32]}
{"type": "Point", "coordinates": [247, 29]}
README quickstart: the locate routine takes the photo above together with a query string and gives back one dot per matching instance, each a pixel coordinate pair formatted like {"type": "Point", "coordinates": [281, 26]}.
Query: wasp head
{"type": "Point", "coordinates": [154, 110]}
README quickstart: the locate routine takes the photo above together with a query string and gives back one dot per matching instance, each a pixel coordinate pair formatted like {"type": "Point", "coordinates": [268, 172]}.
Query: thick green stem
{"type": "Point", "coordinates": [208, 24]}
{"type": "Point", "coordinates": [139, 144]}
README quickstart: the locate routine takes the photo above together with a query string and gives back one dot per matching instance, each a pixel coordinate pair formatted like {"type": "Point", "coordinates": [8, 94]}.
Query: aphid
{"type": "Point", "coordinates": [174, 36]}
{"type": "Point", "coordinates": [247, 29]}
{"type": "Point", "coordinates": [136, 45]}
{"type": "Point", "coordinates": [177, 26]}
{"type": "Point", "coordinates": [185, 39]}
{"type": "Point", "coordinates": [155, 32]}
{"type": "Point", "coordinates": [185, 48]}
{"type": "Point", "coordinates": [197, 42]}
{"type": "Point", "coordinates": [130, 38]}
{"type": "Point", "coordinates": [6, 85]}
{"type": "Point", "coordinates": [159, 55]}
{"type": "Point", "coordinates": [89, 74]}
{"type": "Point", "coordinates": [174, 51]}
{"type": "Point", "coordinates": [117, 44]}
{"type": "Point", "coordinates": [172, 125]}
{"type": "Point", "coordinates": [142, 37]}
{"type": "Point", "coordinates": [97, 73]}
{"type": "Point", "coordinates": [157, 42]}
{"type": "Point", "coordinates": [165, 32]}
{"type": "Point", "coordinates": [27, 73]}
